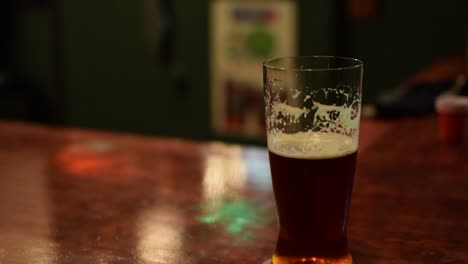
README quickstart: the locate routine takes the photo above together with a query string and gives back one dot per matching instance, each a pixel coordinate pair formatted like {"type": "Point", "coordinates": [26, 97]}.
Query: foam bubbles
{"type": "Point", "coordinates": [345, 122]}
{"type": "Point", "coordinates": [311, 145]}
{"type": "Point", "coordinates": [287, 110]}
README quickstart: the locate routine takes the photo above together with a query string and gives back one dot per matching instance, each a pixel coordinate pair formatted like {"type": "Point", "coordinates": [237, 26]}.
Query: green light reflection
{"type": "Point", "coordinates": [237, 217]}
{"type": "Point", "coordinates": [224, 200]}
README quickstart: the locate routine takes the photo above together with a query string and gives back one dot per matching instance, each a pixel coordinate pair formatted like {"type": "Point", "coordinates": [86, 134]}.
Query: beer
{"type": "Point", "coordinates": [312, 176]}
{"type": "Point", "coordinates": [312, 110]}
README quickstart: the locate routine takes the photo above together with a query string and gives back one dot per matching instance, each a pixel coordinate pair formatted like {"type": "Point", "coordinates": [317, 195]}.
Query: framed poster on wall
{"type": "Point", "coordinates": [243, 35]}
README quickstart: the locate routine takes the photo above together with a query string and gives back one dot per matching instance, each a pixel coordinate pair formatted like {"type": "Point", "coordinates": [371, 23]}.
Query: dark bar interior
{"type": "Point", "coordinates": [135, 131]}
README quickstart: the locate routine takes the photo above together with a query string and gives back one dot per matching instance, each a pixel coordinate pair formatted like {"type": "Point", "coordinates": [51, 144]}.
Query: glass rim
{"type": "Point", "coordinates": [267, 63]}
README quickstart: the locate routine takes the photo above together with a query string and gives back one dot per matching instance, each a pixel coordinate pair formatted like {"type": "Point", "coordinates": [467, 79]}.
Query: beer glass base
{"type": "Point", "coordinates": [309, 260]}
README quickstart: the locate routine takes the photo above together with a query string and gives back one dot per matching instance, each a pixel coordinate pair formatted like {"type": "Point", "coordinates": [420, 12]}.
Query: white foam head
{"type": "Point", "coordinates": [310, 145]}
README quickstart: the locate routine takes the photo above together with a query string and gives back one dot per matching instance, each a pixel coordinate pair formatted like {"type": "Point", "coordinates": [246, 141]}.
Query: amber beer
{"type": "Point", "coordinates": [312, 188]}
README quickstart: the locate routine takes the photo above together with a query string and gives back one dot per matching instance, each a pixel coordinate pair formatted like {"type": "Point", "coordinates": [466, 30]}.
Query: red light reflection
{"type": "Point", "coordinates": [98, 159]}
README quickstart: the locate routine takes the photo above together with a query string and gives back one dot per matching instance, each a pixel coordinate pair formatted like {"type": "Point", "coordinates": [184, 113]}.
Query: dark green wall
{"type": "Point", "coordinates": [33, 53]}
{"type": "Point", "coordinates": [115, 83]}
{"type": "Point", "coordinates": [112, 80]}
{"type": "Point", "coordinates": [317, 27]}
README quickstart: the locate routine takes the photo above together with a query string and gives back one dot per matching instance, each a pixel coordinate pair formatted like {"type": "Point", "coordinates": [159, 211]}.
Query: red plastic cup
{"type": "Point", "coordinates": [451, 113]}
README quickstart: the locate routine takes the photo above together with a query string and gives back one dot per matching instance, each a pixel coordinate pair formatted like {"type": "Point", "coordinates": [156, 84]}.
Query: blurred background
{"type": "Point", "coordinates": [192, 69]}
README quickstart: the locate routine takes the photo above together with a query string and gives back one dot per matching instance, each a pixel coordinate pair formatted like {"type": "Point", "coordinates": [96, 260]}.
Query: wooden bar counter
{"type": "Point", "coordinates": [78, 196]}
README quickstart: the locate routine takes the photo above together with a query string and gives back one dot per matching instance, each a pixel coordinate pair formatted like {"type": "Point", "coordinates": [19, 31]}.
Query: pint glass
{"type": "Point", "coordinates": [313, 107]}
